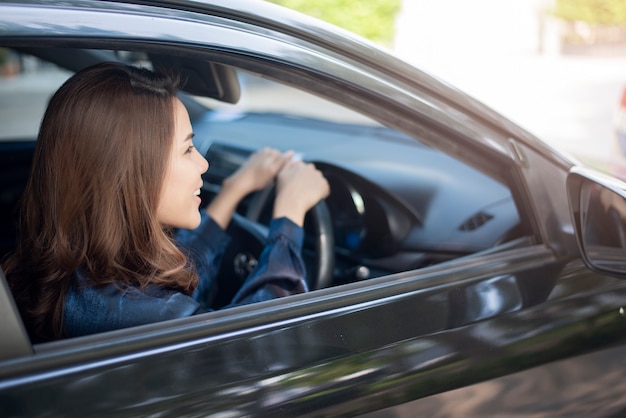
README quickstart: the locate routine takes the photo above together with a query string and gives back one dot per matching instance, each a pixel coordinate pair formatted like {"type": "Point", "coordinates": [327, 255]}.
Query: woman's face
{"type": "Point", "coordinates": [179, 200]}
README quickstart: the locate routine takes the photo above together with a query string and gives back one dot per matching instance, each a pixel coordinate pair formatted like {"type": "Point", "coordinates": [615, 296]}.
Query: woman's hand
{"type": "Point", "coordinates": [258, 171]}
{"type": "Point", "coordinates": [255, 174]}
{"type": "Point", "coordinates": [299, 186]}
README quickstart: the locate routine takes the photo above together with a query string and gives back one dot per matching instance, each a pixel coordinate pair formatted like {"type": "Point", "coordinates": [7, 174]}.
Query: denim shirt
{"type": "Point", "coordinates": [90, 309]}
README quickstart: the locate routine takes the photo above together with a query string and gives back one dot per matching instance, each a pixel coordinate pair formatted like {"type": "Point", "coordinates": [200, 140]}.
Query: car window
{"type": "Point", "coordinates": [396, 203]}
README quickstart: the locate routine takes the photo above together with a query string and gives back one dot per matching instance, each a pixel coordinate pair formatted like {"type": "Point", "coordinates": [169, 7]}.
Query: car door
{"type": "Point", "coordinates": [351, 348]}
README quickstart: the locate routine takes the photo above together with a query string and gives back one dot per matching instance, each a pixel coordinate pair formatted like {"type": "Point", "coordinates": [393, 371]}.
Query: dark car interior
{"type": "Point", "coordinates": [395, 204]}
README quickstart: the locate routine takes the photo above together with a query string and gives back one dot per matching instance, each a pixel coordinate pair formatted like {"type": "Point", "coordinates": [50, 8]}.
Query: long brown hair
{"type": "Point", "coordinates": [91, 198]}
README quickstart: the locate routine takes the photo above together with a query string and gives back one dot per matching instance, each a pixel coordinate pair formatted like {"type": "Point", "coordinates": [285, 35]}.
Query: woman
{"type": "Point", "coordinates": [114, 173]}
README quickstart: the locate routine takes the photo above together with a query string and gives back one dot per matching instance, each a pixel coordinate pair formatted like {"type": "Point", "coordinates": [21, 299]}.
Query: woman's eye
{"type": "Point", "coordinates": [189, 150]}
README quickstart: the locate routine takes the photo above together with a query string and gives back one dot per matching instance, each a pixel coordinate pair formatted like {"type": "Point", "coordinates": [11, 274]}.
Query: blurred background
{"type": "Point", "coordinates": [556, 67]}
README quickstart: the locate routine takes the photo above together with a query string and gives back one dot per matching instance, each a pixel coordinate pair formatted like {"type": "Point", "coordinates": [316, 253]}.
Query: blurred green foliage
{"type": "Point", "coordinates": [605, 12]}
{"type": "Point", "coordinates": [373, 19]}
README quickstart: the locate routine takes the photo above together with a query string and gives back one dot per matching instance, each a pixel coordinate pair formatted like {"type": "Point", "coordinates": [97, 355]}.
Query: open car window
{"type": "Point", "coordinates": [396, 204]}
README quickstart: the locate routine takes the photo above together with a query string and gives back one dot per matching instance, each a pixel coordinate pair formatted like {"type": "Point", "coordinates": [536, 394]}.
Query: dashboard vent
{"type": "Point", "coordinates": [475, 221]}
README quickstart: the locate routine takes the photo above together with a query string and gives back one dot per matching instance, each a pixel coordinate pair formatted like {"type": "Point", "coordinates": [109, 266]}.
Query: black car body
{"type": "Point", "coordinates": [456, 277]}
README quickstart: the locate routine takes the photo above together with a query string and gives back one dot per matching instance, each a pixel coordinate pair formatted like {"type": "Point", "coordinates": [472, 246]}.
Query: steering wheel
{"type": "Point", "coordinates": [322, 227]}
{"type": "Point", "coordinates": [249, 237]}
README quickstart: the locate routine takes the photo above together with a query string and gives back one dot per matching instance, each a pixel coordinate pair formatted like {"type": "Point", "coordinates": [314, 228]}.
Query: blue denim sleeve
{"type": "Point", "coordinates": [280, 271]}
{"type": "Point", "coordinates": [205, 247]}
{"type": "Point", "coordinates": [91, 309]}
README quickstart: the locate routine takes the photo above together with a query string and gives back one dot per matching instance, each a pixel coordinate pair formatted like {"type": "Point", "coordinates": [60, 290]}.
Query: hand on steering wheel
{"type": "Point", "coordinates": [301, 188]}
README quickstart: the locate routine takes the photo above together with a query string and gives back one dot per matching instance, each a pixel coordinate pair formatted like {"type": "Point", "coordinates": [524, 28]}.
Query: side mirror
{"type": "Point", "coordinates": [598, 210]}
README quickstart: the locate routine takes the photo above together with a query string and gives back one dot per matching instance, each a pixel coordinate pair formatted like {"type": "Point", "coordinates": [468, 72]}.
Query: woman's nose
{"type": "Point", "coordinates": [203, 163]}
